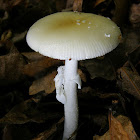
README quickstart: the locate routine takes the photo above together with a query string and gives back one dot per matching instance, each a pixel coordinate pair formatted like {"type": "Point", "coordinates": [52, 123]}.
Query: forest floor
{"type": "Point", "coordinates": [109, 106]}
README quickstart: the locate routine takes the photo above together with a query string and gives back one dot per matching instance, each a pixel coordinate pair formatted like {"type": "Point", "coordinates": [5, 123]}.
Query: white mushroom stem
{"type": "Point", "coordinates": [69, 95]}
{"type": "Point", "coordinates": [71, 105]}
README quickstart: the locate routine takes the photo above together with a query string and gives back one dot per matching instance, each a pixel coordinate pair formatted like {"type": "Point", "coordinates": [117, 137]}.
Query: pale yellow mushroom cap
{"type": "Point", "coordinates": [73, 35]}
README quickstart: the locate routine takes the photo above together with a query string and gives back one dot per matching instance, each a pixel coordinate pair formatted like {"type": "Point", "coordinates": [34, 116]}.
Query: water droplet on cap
{"type": "Point", "coordinates": [84, 21]}
{"type": "Point", "coordinates": [107, 35]}
{"type": "Point", "coordinates": [78, 23]}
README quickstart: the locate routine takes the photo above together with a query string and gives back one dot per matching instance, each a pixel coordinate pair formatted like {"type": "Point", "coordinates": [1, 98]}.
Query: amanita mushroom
{"type": "Point", "coordinates": [72, 36]}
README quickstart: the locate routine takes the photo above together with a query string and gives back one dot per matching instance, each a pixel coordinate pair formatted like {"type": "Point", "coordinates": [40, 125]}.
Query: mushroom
{"type": "Point", "coordinates": [72, 36]}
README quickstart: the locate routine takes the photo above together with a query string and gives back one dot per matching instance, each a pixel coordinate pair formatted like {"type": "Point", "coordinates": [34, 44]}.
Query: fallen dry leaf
{"type": "Point", "coordinates": [137, 109]}
{"type": "Point", "coordinates": [121, 11]}
{"type": "Point", "coordinates": [33, 68]}
{"type": "Point", "coordinates": [7, 133]}
{"type": "Point", "coordinates": [49, 133]}
{"type": "Point", "coordinates": [129, 81]}
{"type": "Point", "coordinates": [32, 56]}
{"type": "Point", "coordinates": [132, 43]}
{"type": "Point", "coordinates": [46, 84]}
{"type": "Point", "coordinates": [19, 37]}
{"type": "Point", "coordinates": [77, 5]}
{"type": "Point", "coordinates": [99, 68]}
{"type": "Point", "coordinates": [82, 75]}
{"type": "Point", "coordinates": [98, 2]}
{"type": "Point", "coordinates": [6, 35]}
{"type": "Point", "coordinates": [11, 66]}
{"type": "Point", "coordinates": [60, 4]}
{"type": "Point", "coordinates": [116, 129]}
{"type": "Point", "coordinates": [121, 129]}
{"type": "Point", "coordinates": [9, 4]}
{"type": "Point", "coordinates": [5, 17]}
{"type": "Point", "coordinates": [69, 3]}
{"type": "Point", "coordinates": [29, 111]}
{"type": "Point", "coordinates": [8, 73]}
{"type": "Point", "coordinates": [15, 2]}
{"type": "Point", "coordinates": [135, 15]}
